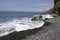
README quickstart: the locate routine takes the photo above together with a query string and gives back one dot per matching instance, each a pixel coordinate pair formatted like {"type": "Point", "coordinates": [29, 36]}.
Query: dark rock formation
{"type": "Point", "coordinates": [56, 9]}
{"type": "Point", "coordinates": [36, 18]}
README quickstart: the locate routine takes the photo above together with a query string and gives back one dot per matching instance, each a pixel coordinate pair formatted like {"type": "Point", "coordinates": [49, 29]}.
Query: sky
{"type": "Point", "coordinates": [26, 5]}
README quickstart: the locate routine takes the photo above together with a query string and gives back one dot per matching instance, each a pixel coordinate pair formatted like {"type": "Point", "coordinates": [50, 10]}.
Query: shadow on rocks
{"type": "Point", "coordinates": [47, 23]}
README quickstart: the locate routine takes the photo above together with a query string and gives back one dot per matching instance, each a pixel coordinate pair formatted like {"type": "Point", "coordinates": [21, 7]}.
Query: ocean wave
{"type": "Point", "coordinates": [19, 25]}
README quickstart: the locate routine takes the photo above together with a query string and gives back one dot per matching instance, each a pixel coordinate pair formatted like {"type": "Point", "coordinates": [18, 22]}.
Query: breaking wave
{"type": "Point", "coordinates": [21, 24]}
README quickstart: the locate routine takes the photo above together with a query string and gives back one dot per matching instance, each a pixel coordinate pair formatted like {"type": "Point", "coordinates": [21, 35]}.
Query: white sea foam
{"type": "Point", "coordinates": [19, 25]}
{"type": "Point", "coordinates": [45, 16]}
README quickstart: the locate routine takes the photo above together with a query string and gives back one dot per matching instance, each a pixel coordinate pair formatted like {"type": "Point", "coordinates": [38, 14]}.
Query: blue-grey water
{"type": "Point", "coordinates": [6, 15]}
{"type": "Point", "coordinates": [17, 14]}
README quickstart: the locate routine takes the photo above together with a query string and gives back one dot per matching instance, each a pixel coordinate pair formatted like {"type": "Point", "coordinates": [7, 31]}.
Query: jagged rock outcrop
{"type": "Point", "coordinates": [55, 11]}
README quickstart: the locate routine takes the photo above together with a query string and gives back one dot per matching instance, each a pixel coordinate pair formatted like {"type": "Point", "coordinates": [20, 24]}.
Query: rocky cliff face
{"type": "Point", "coordinates": [56, 9]}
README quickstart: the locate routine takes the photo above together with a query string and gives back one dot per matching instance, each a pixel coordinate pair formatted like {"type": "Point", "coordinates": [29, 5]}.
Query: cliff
{"type": "Point", "coordinates": [56, 9]}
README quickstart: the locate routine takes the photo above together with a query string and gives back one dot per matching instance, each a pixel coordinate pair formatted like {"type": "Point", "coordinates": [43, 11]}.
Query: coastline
{"type": "Point", "coordinates": [50, 31]}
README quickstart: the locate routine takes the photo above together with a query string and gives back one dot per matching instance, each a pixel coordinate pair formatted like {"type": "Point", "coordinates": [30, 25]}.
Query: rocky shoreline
{"type": "Point", "coordinates": [50, 31]}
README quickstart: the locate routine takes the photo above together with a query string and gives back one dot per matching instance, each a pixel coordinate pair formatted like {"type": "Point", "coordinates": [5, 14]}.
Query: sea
{"type": "Point", "coordinates": [19, 21]}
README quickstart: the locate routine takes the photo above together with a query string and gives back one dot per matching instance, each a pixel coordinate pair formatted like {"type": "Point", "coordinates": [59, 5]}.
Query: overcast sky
{"type": "Point", "coordinates": [26, 5]}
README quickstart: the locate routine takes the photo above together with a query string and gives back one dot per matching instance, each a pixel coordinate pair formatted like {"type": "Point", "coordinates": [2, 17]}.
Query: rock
{"type": "Point", "coordinates": [36, 18]}
{"type": "Point", "coordinates": [56, 8]}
